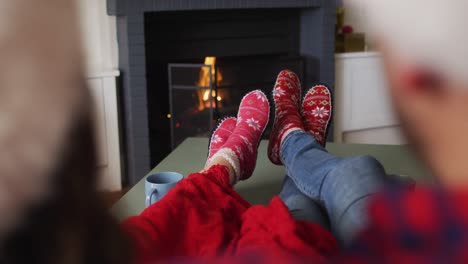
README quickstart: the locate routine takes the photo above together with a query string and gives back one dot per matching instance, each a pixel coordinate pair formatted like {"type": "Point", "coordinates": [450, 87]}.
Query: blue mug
{"type": "Point", "coordinates": [158, 184]}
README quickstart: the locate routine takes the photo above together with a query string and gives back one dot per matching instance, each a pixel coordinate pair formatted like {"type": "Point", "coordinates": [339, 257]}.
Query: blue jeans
{"type": "Point", "coordinates": [327, 190]}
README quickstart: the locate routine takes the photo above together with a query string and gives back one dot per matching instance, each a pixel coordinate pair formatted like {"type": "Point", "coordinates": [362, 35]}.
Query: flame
{"type": "Point", "coordinates": [206, 95]}
{"type": "Point", "coordinates": [204, 81]}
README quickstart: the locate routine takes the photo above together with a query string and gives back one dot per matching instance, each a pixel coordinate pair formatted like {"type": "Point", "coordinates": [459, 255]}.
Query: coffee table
{"type": "Point", "coordinates": [266, 181]}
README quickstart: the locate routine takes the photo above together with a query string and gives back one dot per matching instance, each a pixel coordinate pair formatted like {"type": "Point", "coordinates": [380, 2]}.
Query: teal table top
{"type": "Point", "coordinates": [266, 181]}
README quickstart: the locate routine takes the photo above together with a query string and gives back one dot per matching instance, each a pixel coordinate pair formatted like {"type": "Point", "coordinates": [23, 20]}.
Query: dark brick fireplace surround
{"type": "Point", "coordinates": [317, 20]}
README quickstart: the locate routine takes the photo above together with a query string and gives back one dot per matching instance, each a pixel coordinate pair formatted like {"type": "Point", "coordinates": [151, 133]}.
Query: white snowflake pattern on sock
{"type": "Point", "coordinates": [260, 96]}
{"type": "Point", "coordinates": [320, 112]}
{"type": "Point", "coordinates": [239, 153]}
{"type": "Point", "coordinates": [253, 124]}
{"type": "Point", "coordinates": [217, 139]}
{"type": "Point", "coordinates": [278, 92]}
{"type": "Point", "coordinates": [247, 142]}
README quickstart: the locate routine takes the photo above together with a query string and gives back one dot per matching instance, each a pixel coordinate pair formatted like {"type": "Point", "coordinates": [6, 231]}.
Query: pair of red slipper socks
{"type": "Point", "coordinates": [237, 139]}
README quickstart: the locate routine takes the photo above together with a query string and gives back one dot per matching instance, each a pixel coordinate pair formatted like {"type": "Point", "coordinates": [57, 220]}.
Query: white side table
{"type": "Point", "coordinates": [362, 107]}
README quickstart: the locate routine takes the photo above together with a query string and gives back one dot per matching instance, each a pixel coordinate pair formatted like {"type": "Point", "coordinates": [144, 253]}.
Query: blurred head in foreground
{"type": "Point", "coordinates": [48, 204]}
{"type": "Point", "coordinates": [426, 58]}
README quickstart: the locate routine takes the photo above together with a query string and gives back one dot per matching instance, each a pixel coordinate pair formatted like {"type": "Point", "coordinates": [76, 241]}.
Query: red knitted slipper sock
{"type": "Point", "coordinates": [240, 150]}
{"type": "Point", "coordinates": [316, 112]}
{"type": "Point", "coordinates": [220, 136]}
{"type": "Point", "coordinates": [286, 94]}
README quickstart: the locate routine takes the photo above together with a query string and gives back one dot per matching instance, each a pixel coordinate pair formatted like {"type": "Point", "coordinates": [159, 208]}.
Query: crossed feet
{"type": "Point", "coordinates": [235, 142]}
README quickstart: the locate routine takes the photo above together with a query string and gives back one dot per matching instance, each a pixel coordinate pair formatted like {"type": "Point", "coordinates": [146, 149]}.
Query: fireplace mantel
{"type": "Point", "coordinates": [317, 27]}
{"type": "Point", "coordinates": [126, 7]}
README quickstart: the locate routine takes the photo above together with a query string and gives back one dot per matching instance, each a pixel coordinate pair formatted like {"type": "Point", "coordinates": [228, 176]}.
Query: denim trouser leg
{"type": "Point", "coordinates": [301, 206]}
{"type": "Point", "coordinates": [343, 186]}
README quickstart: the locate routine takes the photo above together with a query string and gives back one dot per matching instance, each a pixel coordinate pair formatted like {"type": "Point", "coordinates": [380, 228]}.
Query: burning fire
{"type": "Point", "coordinates": [204, 81]}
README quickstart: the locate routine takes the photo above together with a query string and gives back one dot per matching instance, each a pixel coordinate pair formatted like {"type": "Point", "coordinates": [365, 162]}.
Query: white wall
{"type": "Point", "coordinates": [356, 16]}
{"type": "Point", "coordinates": [100, 44]}
{"type": "Point", "coordinates": [99, 36]}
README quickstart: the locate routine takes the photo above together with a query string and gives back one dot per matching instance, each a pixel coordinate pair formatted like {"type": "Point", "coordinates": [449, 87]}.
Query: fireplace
{"type": "Point", "coordinates": [200, 95]}
{"type": "Point", "coordinates": [251, 41]}
{"type": "Point", "coordinates": [250, 48]}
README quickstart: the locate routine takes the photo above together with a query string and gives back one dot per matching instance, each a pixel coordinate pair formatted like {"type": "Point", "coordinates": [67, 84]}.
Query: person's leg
{"type": "Point", "coordinates": [301, 206]}
{"type": "Point", "coordinates": [342, 186]}
{"type": "Point", "coordinates": [241, 147]}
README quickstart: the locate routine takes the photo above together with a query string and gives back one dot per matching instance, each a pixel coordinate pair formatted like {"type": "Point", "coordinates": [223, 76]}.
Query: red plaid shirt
{"type": "Point", "coordinates": [421, 226]}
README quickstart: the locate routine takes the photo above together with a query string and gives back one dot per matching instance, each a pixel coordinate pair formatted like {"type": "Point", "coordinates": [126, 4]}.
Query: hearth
{"type": "Point", "coordinates": [251, 42]}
